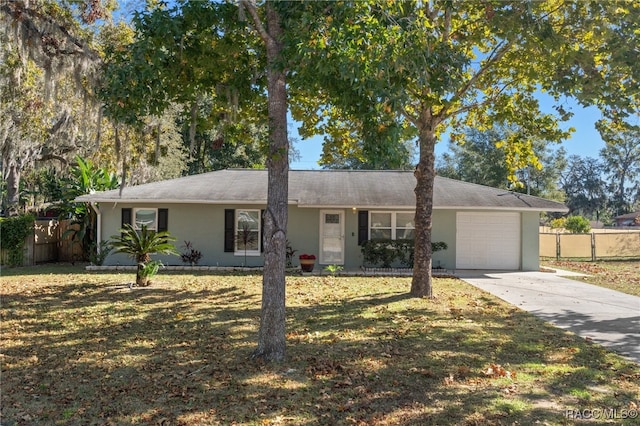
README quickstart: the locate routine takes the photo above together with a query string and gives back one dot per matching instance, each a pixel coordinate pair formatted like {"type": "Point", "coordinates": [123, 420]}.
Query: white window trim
{"type": "Point", "coordinates": [242, 252]}
{"type": "Point", "coordinates": [135, 223]}
{"type": "Point", "coordinates": [394, 227]}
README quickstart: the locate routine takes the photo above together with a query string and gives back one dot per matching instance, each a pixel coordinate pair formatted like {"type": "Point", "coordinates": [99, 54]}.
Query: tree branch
{"type": "Point", "coordinates": [251, 7]}
{"type": "Point", "coordinates": [497, 54]}
{"type": "Point", "coordinates": [19, 12]}
{"type": "Point", "coordinates": [48, 157]}
{"type": "Point", "coordinates": [474, 105]}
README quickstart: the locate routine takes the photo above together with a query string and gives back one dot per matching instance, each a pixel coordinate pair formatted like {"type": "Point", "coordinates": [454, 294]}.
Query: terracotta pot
{"type": "Point", "coordinates": [307, 264]}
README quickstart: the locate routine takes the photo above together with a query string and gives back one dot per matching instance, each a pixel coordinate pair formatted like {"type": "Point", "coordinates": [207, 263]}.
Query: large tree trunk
{"type": "Point", "coordinates": [425, 177]}
{"type": "Point", "coordinates": [271, 336]}
{"type": "Point", "coordinates": [13, 190]}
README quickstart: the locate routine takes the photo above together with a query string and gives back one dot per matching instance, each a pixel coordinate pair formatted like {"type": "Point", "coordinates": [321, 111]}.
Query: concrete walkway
{"type": "Point", "coordinates": [604, 316]}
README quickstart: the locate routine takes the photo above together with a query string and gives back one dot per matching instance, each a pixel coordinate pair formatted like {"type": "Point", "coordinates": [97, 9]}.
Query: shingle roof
{"type": "Point", "coordinates": [628, 216]}
{"type": "Point", "coordinates": [324, 188]}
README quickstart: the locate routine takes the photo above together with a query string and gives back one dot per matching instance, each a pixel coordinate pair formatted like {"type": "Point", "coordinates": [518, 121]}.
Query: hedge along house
{"type": "Point", "coordinates": [331, 213]}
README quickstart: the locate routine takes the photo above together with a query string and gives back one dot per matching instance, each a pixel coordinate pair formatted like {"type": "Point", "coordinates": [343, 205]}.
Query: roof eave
{"type": "Point", "coordinates": [499, 208]}
{"type": "Point", "coordinates": [316, 206]}
{"type": "Point", "coordinates": [171, 201]}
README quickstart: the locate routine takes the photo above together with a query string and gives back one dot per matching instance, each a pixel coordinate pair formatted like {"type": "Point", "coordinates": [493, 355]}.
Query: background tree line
{"type": "Point", "coordinates": [597, 188]}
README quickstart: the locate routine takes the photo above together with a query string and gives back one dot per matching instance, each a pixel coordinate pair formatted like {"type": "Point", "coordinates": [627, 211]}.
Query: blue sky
{"type": "Point", "coordinates": [585, 141]}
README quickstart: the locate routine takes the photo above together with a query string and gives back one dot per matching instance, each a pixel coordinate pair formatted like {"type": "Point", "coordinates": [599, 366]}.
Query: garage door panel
{"type": "Point", "coordinates": [488, 240]}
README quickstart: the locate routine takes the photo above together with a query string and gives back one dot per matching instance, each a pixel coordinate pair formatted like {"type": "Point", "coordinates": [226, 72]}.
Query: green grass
{"type": "Point", "coordinates": [82, 348]}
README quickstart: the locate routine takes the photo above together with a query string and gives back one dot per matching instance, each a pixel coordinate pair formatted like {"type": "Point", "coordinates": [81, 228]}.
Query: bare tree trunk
{"type": "Point", "coordinates": [271, 336]}
{"type": "Point", "coordinates": [192, 129]}
{"type": "Point", "coordinates": [421, 284]}
{"type": "Point", "coordinates": [13, 190]}
{"type": "Point", "coordinates": [157, 150]}
{"type": "Point", "coordinates": [118, 146]}
{"type": "Point", "coordinates": [11, 174]}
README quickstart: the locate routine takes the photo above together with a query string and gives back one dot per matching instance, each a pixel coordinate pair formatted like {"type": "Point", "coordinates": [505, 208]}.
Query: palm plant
{"type": "Point", "coordinates": [86, 178]}
{"type": "Point", "coordinates": [140, 245]}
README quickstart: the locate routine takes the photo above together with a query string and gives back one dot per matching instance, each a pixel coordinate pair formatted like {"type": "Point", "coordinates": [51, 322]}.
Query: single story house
{"type": "Point", "coordinates": [629, 219]}
{"type": "Point", "coordinates": [331, 212]}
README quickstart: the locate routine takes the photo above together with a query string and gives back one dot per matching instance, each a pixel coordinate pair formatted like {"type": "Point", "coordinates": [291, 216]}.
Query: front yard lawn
{"type": "Point", "coordinates": [620, 275]}
{"type": "Point", "coordinates": [83, 348]}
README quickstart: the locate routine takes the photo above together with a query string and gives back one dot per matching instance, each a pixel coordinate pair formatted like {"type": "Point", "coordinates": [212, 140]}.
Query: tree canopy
{"type": "Point", "coordinates": [48, 72]}
{"type": "Point", "coordinates": [197, 57]}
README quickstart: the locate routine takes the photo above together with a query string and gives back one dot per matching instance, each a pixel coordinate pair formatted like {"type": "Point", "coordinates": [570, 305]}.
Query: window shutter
{"type": "Point", "coordinates": [229, 228]}
{"type": "Point", "coordinates": [262, 230]}
{"type": "Point", "coordinates": [163, 220]}
{"type": "Point", "coordinates": [126, 217]}
{"type": "Point", "coordinates": [363, 226]}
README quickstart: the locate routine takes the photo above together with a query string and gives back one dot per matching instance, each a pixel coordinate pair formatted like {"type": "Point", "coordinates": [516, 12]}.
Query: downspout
{"type": "Point", "coordinates": [98, 226]}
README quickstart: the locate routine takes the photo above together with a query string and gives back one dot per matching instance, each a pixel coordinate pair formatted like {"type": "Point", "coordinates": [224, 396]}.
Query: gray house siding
{"type": "Point", "coordinates": [185, 222]}
{"type": "Point", "coordinates": [444, 229]}
{"type": "Point", "coordinates": [203, 226]}
{"type": "Point", "coordinates": [530, 241]}
{"type": "Point", "coordinates": [303, 231]}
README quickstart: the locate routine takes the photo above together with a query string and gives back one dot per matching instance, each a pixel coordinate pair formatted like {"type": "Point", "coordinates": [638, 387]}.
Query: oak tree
{"type": "Point", "coordinates": [195, 58]}
{"type": "Point", "coordinates": [446, 65]}
{"type": "Point", "coordinates": [47, 69]}
{"type": "Point", "coordinates": [584, 186]}
{"type": "Point", "coordinates": [272, 336]}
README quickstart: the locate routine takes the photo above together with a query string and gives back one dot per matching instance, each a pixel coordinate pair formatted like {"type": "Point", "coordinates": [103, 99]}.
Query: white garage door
{"type": "Point", "coordinates": [488, 240]}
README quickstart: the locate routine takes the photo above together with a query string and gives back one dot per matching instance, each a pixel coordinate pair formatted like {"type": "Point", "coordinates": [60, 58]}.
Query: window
{"type": "Point", "coordinates": [332, 218]}
{"type": "Point", "coordinates": [155, 219]}
{"type": "Point", "coordinates": [247, 232]}
{"type": "Point", "coordinates": [380, 226]}
{"type": "Point", "coordinates": [405, 228]}
{"type": "Point", "coordinates": [145, 216]}
{"type": "Point", "coordinates": [391, 225]}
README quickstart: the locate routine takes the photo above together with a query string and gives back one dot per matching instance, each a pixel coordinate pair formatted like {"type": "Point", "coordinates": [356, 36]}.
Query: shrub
{"type": "Point", "coordinates": [385, 252]}
{"type": "Point", "coordinates": [558, 223]}
{"type": "Point", "coordinates": [289, 254]}
{"type": "Point", "coordinates": [333, 269]}
{"type": "Point", "coordinates": [577, 225]}
{"type": "Point", "coordinates": [97, 254]}
{"type": "Point", "coordinates": [13, 232]}
{"type": "Point", "coordinates": [150, 269]}
{"type": "Point", "coordinates": [190, 255]}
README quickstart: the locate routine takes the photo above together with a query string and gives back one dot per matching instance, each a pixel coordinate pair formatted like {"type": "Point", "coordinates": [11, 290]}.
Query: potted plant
{"type": "Point", "coordinates": [307, 262]}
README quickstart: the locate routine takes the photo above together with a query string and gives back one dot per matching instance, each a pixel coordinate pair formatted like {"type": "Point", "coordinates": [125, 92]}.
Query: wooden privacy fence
{"type": "Point", "coordinates": [47, 245]}
{"type": "Point", "coordinates": [592, 246]}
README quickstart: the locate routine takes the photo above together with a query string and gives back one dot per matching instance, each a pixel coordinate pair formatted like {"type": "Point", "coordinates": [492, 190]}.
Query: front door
{"type": "Point", "coordinates": [332, 237]}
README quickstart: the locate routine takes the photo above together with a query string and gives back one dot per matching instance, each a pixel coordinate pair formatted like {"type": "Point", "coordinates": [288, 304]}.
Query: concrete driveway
{"type": "Point", "coordinates": [604, 316]}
